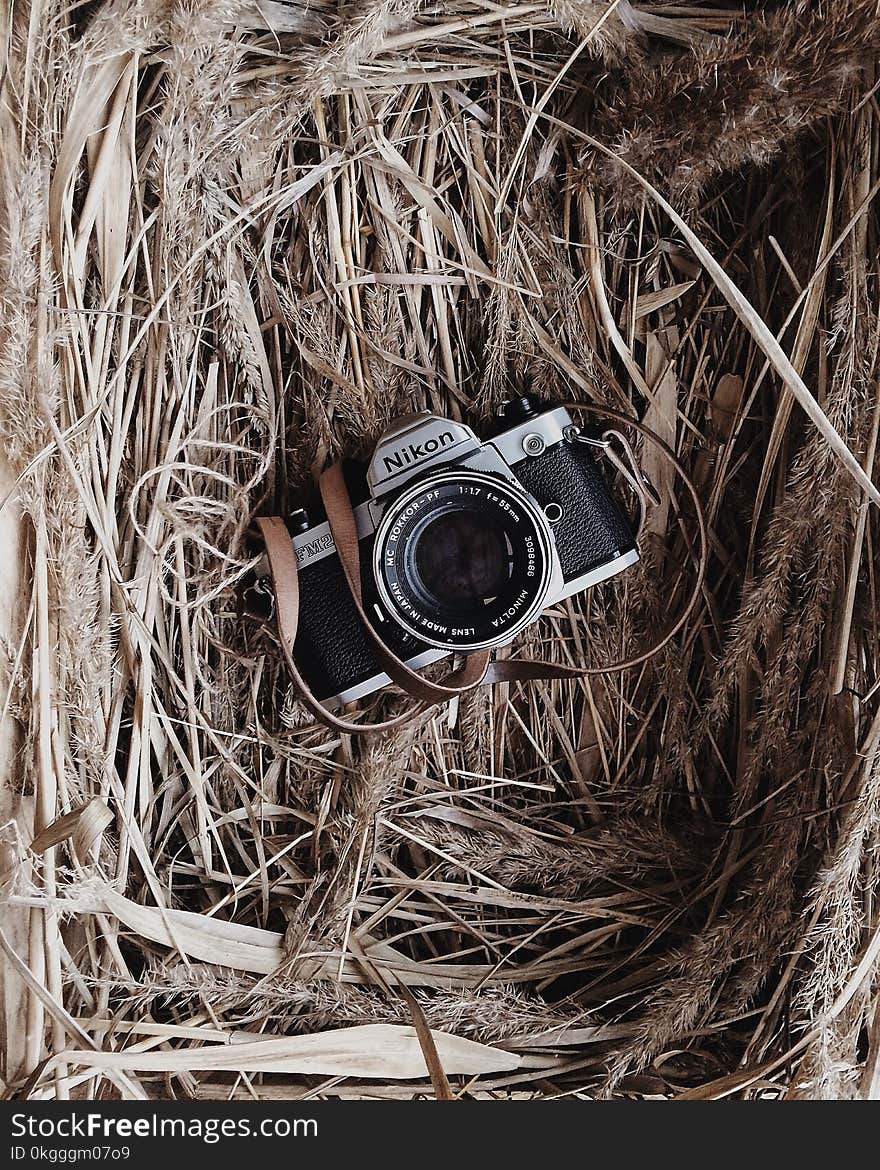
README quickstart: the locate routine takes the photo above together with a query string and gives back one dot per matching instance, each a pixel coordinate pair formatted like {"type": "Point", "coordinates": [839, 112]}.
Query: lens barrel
{"type": "Point", "coordinates": [463, 560]}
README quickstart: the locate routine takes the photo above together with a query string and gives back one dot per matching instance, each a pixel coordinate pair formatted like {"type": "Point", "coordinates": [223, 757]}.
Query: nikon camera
{"type": "Point", "coordinates": [463, 543]}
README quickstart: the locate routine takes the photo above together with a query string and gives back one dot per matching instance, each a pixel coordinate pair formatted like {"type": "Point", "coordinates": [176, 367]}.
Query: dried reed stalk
{"type": "Point", "coordinates": [235, 241]}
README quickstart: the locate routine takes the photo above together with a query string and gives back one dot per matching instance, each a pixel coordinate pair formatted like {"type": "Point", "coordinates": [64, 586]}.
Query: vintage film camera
{"type": "Point", "coordinates": [463, 543]}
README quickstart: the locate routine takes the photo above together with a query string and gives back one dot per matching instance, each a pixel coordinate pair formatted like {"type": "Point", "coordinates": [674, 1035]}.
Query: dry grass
{"type": "Point", "coordinates": [237, 239]}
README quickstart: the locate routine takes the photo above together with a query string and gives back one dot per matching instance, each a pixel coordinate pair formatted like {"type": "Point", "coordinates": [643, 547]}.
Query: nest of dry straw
{"type": "Point", "coordinates": [237, 239]}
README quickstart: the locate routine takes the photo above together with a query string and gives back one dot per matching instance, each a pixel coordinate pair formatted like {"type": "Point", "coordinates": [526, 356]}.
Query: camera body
{"type": "Point", "coordinates": [462, 544]}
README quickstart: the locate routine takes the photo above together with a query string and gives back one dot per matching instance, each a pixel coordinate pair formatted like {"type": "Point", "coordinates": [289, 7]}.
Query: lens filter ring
{"type": "Point", "coordinates": [463, 560]}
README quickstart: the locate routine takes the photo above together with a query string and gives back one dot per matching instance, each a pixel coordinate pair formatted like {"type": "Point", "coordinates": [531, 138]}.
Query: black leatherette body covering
{"type": "Point", "coordinates": [332, 649]}
{"type": "Point", "coordinates": [592, 529]}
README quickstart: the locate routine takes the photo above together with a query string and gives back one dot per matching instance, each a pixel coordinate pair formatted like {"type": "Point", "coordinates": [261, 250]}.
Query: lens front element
{"type": "Point", "coordinates": [463, 560]}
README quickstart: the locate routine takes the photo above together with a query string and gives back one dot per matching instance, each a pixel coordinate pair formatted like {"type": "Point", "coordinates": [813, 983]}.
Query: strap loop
{"type": "Point", "coordinates": [629, 468]}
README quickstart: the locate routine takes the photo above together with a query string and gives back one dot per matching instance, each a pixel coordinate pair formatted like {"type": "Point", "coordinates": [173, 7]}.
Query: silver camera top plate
{"type": "Point", "coordinates": [413, 445]}
{"type": "Point", "coordinates": [416, 443]}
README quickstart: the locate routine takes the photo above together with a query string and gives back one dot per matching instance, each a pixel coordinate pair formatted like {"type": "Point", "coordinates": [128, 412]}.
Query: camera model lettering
{"type": "Point", "coordinates": [457, 553]}
{"type": "Point", "coordinates": [407, 455]}
{"type": "Point", "coordinates": [311, 548]}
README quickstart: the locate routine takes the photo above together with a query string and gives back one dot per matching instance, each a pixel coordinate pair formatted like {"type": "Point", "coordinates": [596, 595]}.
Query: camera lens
{"type": "Point", "coordinates": [462, 557]}
{"type": "Point", "coordinates": [463, 560]}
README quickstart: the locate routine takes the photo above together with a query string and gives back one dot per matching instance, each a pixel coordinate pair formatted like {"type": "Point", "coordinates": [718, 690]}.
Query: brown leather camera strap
{"type": "Point", "coordinates": [285, 582]}
{"type": "Point", "coordinates": [340, 517]}
{"type": "Point", "coordinates": [477, 669]}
